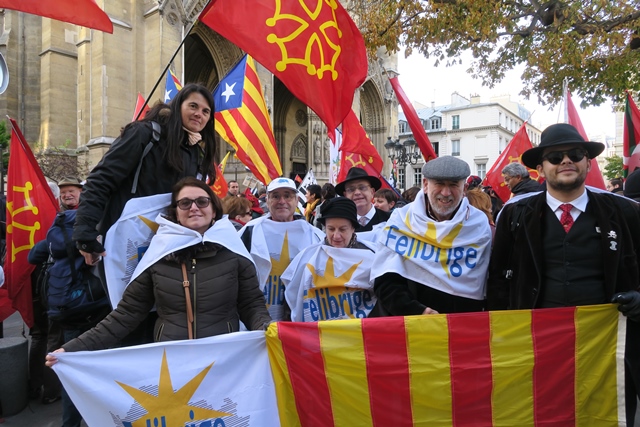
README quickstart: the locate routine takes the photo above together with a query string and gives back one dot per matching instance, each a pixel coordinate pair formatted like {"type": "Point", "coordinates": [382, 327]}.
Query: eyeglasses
{"type": "Point", "coordinates": [247, 213]}
{"type": "Point", "coordinates": [286, 196]}
{"type": "Point", "coordinates": [185, 204]}
{"type": "Point", "coordinates": [362, 188]}
{"type": "Point", "coordinates": [556, 157]}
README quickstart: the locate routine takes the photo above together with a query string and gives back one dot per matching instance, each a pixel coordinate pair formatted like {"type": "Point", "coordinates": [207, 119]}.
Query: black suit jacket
{"type": "Point", "coordinates": [380, 216]}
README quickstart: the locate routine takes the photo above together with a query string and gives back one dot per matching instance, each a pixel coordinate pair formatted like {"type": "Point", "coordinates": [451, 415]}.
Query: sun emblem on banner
{"type": "Point", "coordinates": [329, 279]}
{"type": "Point", "coordinates": [171, 407]}
{"type": "Point", "coordinates": [321, 51]}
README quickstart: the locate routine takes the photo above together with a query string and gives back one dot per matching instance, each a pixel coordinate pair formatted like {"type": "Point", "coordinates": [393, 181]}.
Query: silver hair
{"type": "Point", "coordinates": [515, 169]}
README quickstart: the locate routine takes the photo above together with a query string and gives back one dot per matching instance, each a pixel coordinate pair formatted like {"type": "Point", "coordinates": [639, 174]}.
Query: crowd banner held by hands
{"type": "Point", "coordinates": [561, 366]}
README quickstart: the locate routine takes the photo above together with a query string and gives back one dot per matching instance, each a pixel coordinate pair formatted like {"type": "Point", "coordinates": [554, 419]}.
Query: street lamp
{"type": "Point", "coordinates": [235, 164]}
{"type": "Point", "coordinates": [404, 153]}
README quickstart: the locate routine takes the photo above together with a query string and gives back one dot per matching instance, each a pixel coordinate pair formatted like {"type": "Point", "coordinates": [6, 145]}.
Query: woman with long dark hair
{"type": "Point", "coordinates": [173, 141]}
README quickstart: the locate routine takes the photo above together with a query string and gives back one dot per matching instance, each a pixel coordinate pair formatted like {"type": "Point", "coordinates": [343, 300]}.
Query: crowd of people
{"type": "Point", "coordinates": [446, 247]}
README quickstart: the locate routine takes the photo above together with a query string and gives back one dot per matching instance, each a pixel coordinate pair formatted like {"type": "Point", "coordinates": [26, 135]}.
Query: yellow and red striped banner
{"type": "Point", "coordinates": [553, 367]}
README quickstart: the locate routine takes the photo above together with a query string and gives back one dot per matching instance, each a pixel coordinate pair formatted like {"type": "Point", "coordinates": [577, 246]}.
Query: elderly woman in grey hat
{"type": "Point", "coordinates": [330, 281]}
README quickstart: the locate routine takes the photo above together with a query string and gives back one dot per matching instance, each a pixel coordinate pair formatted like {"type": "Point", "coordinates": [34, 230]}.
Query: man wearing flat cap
{"type": "Point", "coordinates": [435, 251]}
{"type": "Point", "coordinates": [360, 187]}
{"type": "Point", "coordinates": [568, 245]}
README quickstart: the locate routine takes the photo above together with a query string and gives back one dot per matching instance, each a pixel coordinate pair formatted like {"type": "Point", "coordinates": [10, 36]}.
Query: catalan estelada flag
{"type": "Point", "coordinates": [172, 86]}
{"type": "Point", "coordinates": [631, 137]}
{"type": "Point", "coordinates": [314, 48]}
{"type": "Point", "coordinates": [31, 209]}
{"type": "Point", "coordinates": [242, 119]}
{"type": "Point", "coordinates": [549, 367]}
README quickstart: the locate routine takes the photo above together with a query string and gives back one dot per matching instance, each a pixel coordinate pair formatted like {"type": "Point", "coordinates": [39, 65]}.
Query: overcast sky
{"type": "Point", "coordinates": [424, 83]}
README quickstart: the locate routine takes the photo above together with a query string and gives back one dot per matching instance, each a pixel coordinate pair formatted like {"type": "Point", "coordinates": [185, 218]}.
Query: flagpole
{"type": "Point", "coordinates": [164, 72]}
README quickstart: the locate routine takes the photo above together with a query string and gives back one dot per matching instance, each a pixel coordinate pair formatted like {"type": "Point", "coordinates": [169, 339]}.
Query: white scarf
{"type": "Point", "coordinates": [327, 283]}
{"type": "Point", "coordinates": [450, 256]}
{"type": "Point", "coordinates": [172, 237]}
{"type": "Point", "coordinates": [269, 240]}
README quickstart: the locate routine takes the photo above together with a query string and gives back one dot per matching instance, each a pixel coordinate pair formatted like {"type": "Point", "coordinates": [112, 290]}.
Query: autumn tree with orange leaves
{"type": "Point", "coordinates": [593, 43]}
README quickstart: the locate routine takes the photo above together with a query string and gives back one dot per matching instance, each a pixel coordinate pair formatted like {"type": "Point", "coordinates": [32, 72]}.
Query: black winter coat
{"type": "Point", "coordinates": [515, 271]}
{"type": "Point", "coordinates": [223, 287]}
{"type": "Point", "coordinates": [109, 184]}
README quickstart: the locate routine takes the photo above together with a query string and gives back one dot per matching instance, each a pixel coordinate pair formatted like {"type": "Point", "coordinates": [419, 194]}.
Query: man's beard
{"type": "Point", "coordinates": [568, 186]}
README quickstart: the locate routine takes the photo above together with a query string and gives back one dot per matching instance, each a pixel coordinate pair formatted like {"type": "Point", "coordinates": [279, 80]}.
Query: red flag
{"type": "Point", "coordinates": [242, 119]}
{"type": "Point", "coordinates": [631, 137]}
{"type": "Point", "coordinates": [80, 12]}
{"type": "Point", "coordinates": [419, 134]}
{"type": "Point", "coordinates": [317, 52]}
{"type": "Point", "coordinates": [512, 153]}
{"type": "Point", "coordinates": [137, 115]}
{"type": "Point", "coordinates": [220, 186]}
{"type": "Point", "coordinates": [298, 179]}
{"type": "Point", "coordinates": [357, 150]}
{"type": "Point", "coordinates": [31, 209]}
{"type": "Point", "coordinates": [594, 177]}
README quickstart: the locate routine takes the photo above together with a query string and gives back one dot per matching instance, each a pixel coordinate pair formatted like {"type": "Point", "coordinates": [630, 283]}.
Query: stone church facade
{"type": "Point", "coordinates": [76, 88]}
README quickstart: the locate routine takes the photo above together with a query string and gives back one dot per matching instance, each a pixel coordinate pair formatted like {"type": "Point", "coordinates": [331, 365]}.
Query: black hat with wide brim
{"type": "Point", "coordinates": [354, 174]}
{"type": "Point", "coordinates": [556, 135]}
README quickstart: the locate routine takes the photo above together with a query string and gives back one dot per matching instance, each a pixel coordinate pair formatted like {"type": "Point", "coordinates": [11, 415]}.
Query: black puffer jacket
{"type": "Point", "coordinates": [224, 289]}
{"type": "Point", "coordinates": [527, 185]}
{"type": "Point", "coordinates": [109, 185]}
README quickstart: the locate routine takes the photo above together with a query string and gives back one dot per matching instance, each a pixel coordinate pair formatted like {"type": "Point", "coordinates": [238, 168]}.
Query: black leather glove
{"type": "Point", "coordinates": [90, 246]}
{"type": "Point", "coordinates": [629, 304]}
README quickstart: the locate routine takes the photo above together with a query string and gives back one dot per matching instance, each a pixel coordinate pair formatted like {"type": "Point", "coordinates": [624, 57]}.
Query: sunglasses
{"type": "Point", "coordinates": [185, 204]}
{"type": "Point", "coordinates": [556, 157]}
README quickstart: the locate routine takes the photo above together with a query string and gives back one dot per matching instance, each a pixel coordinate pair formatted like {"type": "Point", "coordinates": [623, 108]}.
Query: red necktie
{"type": "Point", "coordinates": [566, 219]}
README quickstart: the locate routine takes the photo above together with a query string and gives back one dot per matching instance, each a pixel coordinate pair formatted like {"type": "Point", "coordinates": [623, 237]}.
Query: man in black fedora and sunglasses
{"type": "Point", "coordinates": [569, 245]}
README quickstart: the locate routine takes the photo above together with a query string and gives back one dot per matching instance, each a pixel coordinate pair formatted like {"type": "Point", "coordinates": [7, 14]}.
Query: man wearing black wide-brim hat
{"type": "Point", "coordinates": [569, 245]}
{"type": "Point", "coordinates": [360, 187]}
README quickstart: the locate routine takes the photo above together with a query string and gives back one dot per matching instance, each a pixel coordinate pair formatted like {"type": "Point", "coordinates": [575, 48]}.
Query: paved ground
{"type": "Point", "coordinates": [35, 414]}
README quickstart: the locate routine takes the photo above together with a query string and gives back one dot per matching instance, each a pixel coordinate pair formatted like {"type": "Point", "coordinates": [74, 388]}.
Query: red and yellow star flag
{"type": "Point", "coordinates": [357, 150]}
{"type": "Point", "coordinates": [551, 367]}
{"type": "Point", "coordinates": [314, 48]}
{"type": "Point", "coordinates": [31, 209]}
{"type": "Point", "coordinates": [242, 119]}
{"type": "Point", "coordinates": [511, 154]}
{"type": "Point", "coordinates": [631, 137]}
{"type": "Point", "coordinates": [220, 185]}
{"type": "Point", "coordinates": [594, 177]}
{"type": "Point", "coordinates": [80, 12]}
{"type": "Point", "coordinates": [419, 134]}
